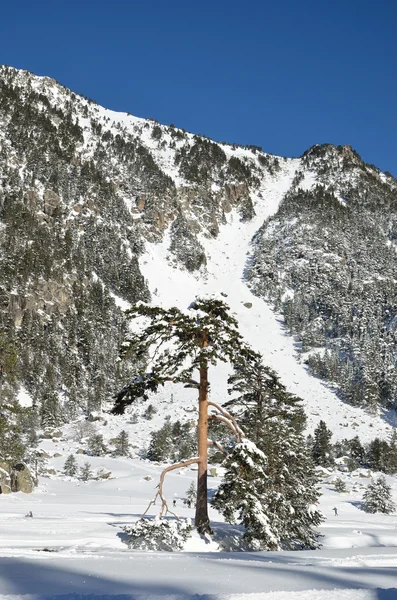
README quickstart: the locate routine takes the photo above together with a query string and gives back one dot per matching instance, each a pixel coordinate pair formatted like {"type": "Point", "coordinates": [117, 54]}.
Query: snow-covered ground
{"type": "Point", "coordinates": [74, 545]}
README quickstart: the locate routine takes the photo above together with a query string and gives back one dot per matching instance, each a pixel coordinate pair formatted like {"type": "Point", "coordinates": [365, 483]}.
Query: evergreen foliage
{"type": "Point", "coordinates": [122, 444]}
{"type": "Point", "coordinates": [70, 467]}
{"type": "Point", "coordinates": [164, 535]}
{"type": "Point", "coordinates": [377, 497]}
{"type": "Point", "coordinates": [86, 472]}
{"type": "Point", "coordinates": [322, 447]}
{"type": "Point", "coordinates": [276, 502]}
{"type": "Point", "coordinates": [174, 441]}
{"type": "Point", "coordinates": [150, 412]}
{"type": "Point", "coordinates": [272, 518]}
{"type": "Point", "coordinates": [319, 259]}
{"type": "Point", "coordinates": [191, 492]}
{"type": "Point", "coordinates": [340, 485]}
{"type": "Point", "coordinates": [186, 343]}
{"type": "Point", "coordinates": [185, 245]}
{"type": "Point", "coordinates": [96, 445]}
{"type": "Point", "coordinates": [12, 438]}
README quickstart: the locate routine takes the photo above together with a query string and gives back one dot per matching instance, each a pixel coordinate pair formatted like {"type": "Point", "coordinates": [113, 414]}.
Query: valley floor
{"type": "Point", "coordinates": [74, 546]}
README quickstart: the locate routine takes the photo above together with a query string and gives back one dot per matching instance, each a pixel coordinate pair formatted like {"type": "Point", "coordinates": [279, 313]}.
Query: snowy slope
{"type": "Point", "coordinates": [227, 256]}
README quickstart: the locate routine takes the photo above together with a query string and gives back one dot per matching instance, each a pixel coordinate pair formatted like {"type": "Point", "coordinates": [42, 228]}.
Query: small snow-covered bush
{"type": "Point", "coordinates": [158, 534]}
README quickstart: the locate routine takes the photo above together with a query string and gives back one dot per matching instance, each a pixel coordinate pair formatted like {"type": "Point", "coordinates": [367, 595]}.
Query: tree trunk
{"type": "Point", "coordinates": [202, 521]}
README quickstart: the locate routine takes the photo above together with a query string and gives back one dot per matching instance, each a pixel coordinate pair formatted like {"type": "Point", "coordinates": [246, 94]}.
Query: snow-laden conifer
{"type": "Point", "coordinates": [287, 493]}
{"type": "Point", "coordinates": [70, 467]}
{"type": "Point", "coordinates": [242, 494]}
{"type": "Point", "coordinates": [158, 534]}
{"type": "Point", "coordinates": [377, 497]}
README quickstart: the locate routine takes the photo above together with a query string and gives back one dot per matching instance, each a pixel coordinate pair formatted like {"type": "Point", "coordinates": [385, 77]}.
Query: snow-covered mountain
{"type": "Point", "coordinates": [101, 209]}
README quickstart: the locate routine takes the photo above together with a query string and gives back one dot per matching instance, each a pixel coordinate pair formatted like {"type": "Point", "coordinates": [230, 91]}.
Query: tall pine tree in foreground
{"type": "Point", "coordinates": [270, 482]}
{"type": "Point", "coordinates": [181, 346]}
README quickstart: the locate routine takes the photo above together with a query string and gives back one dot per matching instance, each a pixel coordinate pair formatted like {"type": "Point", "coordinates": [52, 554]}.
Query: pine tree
{"type": "Point", "coordinates": [12, 445]}
{"type": "Point", "coordinates": [8, 361]}
{"type": "Point", "coordinates": [322, 448]}
{"type": "Point", "coordinates": [261, 398]}
{"type": "Point", "coordinates": [243, 490]}
{"type": "Point", "coordinates": [274, 419]}
{"type": "Point", "coordinates": [86, 472]}
{"type": "Point", "coordinates": [70, 467]}
{"type": "Point", "coordinates": [377, 497]}
{"type": "Point", "coordinates": [150, 412]}
{"type": "Point", "coordinates": [340, 485]}
{"type": "Point", "coordinates": [191, 492]}
{"type": "Point", "coordinates": [185, 343]}
{"type": "Point", "coordinates": [160, 446]}
{"type": "Point", "coordinates": [96, 445]}
{"type": "Point", "coordinates": [378, 451]}
{"type": "Point", "coordinates": [185, 442]}
{"type": "Point", "coordinates": [356, 450]}
{"type": "Point", "coordinates": [392, 455]}
{"type": "Point", "coordinates": [122, 444]}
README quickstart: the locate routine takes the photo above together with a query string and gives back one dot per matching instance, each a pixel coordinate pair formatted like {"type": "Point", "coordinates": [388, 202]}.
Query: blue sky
{"type": "Point", "coordinates": [282, 75]}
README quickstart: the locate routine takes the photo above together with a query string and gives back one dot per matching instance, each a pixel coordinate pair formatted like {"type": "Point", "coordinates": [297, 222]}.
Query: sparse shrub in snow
{"type": "Point", "coordinates": [340, 485]}
{"type": "Point", "coordinates": [134, 418]}
{"type": "Point", "coordinates": [159, 534]}
{"type": "Point", "coordinates": [377, 497]}
{"type": "Point", "coordinates": [84, 429]}
{"type": "Point", "coordinates": [70, 467]}
{"type": "Point", "coordinates": [150, 412]}
{"type": "Point", "coordinates": [86, 472]}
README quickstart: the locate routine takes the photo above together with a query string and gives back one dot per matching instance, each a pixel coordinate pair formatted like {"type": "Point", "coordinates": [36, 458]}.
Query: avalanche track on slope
{"type": "Point", "coordinates": [227, 256]}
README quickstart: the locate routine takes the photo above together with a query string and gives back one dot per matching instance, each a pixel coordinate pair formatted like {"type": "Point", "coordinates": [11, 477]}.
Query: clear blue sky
{"type": "Point", "coordinates": [283, 75]}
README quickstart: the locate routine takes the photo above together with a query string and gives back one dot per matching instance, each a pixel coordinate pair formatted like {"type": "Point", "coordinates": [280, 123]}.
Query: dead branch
{"type": "Point", "coordinates": [159, 494]}
{"type": "Point", "coordinates": [228, 423]}
{"type": "Point", "coordinates": [217, 445]}
{"type": "Point", "coordinates": [228, 416]}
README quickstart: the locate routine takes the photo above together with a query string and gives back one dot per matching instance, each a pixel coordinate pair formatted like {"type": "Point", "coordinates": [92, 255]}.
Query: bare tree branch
{"type": "Point", "coordinates": [159, 494]}
{"type": "Point", "coordinates": [217, 445]}
{"type": "Point", "coordinates": [226, 414]}
{"type": "Point", "coordinates": [227, 423]}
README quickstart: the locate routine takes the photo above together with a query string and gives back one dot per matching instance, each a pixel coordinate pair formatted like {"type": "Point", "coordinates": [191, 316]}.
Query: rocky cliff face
{"type": "Point", "coordinates": [84, 189]}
